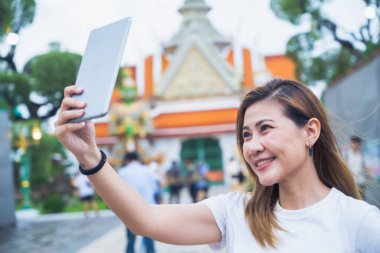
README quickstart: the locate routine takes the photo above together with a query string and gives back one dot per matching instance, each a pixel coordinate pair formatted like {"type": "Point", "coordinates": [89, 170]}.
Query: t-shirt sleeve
{"type": "Point", "coordinates": [218, 206]}
{"type": "Point", "coordinates": [368, 233]}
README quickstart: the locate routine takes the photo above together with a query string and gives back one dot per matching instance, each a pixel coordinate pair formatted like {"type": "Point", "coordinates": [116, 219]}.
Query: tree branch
{"type": "Point", "coordinates": [332, 27]}
{"type": "Point", "coordinates": [9, 58]}
{"type": "Point", "coordinates": [368, 28]}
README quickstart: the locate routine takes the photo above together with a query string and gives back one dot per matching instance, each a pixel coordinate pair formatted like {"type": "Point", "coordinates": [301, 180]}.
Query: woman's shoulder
{"type": "Point", "coordinates": [352, 207]}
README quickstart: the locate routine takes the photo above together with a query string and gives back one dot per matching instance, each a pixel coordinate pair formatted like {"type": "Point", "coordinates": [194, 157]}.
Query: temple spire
{"type": "Point", "coordinates": [195, 21]}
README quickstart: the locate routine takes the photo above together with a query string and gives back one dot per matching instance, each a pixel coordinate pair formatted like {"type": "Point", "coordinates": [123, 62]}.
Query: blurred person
{"type": "Point", "coordinates": [175, 183]}
{"type": "Point", "coordinates": [142, 180]}
{"type": "Point", "coordinates": [192, 179]}
{"type": "Point", "coordinates": [357, 164]}
{"type": "Point", "coordinates": [305, 198]}
{"type": "Point", "coordinates": [155, 165]}
{"type": "Point", "coordinates": [202, 184]}
{"type": "Point", "coordinates": [86, 194]}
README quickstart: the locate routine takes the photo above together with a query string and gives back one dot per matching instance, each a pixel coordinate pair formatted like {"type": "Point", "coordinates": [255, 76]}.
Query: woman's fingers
{"type": "Point", "coordinates": [71, 108]}
{"type": "Point", "coordinates": [69, 103]}
{"type": "Point", "coordinates": [60, 130]}
{"type": "Point", "coordinates": [72, 90]}
{"type": "Point", "coordinates": [65, 116]}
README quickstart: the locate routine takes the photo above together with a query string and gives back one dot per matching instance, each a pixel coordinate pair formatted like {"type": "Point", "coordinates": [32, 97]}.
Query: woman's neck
{"type": "Point", "coordinates": [303, 191]}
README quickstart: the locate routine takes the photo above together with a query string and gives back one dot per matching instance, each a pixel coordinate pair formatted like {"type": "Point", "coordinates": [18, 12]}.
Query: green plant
{"type": "Point", "coordinates": [75, 205]}
{"type": "Point", "coordinates": [53, 204]}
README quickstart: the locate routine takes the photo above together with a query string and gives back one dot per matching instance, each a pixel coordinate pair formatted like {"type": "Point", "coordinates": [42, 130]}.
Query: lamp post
{"type": "Point", "coordinates": [24, 144]}
{"type": "Point", "coordinates": [12, 39]}
{"type": "Point", "coordinates": [25, 167]}
{"type": "Point", "coordinates": [370, 12]}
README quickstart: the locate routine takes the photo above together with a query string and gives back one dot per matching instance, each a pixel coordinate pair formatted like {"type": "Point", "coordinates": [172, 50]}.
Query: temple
{"type": "Point", "coordinates": [190, 113]}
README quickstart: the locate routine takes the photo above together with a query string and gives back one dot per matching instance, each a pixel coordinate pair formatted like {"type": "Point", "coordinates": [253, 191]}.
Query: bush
{"type": "Point", "coordinates": [53, 204]}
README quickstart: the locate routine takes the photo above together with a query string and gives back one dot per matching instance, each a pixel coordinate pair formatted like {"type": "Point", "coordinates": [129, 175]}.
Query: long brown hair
{"type": "Point", "coordinates": [300, 105]}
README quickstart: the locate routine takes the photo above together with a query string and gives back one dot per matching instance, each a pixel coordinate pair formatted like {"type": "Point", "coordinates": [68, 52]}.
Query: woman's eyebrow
{"type": "Point", "coordinates": [258, 123]}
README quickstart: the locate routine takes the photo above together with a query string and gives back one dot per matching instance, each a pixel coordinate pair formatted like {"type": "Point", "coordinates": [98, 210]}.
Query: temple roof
{"type": "Point", "coordinates": [195, 21]}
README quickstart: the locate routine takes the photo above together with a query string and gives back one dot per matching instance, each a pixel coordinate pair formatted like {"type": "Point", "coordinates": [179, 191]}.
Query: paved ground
{"type": "Point", "coordinates": [66, 233]}
{"type": "Point", "coordinates": [55, 234]}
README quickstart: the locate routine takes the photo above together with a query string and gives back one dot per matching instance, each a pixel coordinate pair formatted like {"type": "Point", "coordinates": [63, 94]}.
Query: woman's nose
{"type": "Point", "coordinates": [255, 147]}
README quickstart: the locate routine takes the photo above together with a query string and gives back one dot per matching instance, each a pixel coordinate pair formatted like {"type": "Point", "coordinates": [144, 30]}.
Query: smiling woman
{"type": "Point", "coordinates": [285, 125]}
{"type": "Point", "coordinates": [304, 200]}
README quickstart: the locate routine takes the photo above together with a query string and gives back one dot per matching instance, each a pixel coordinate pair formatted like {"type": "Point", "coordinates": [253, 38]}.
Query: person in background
{"type": "Point", "coordinates": [202, 184]}
{"type": "Point", "coordinates": [356, 162]}
{"type": "Point", "coordinates": [304, 198]}
{"type": "Point", "coordinates": [141, 179]}
{"type": "Point", "coordinates": [192, 179]}
{"type": "Point", "coordinates": [175, 183]}
{"type": "Point", "coordinates": [155, 165]}
{"type": "Point", "coordinates": [86, 194]}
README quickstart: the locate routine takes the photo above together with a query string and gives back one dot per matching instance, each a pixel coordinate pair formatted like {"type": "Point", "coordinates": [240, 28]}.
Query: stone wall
{"type": "Point", "coordinates": [7, 200]}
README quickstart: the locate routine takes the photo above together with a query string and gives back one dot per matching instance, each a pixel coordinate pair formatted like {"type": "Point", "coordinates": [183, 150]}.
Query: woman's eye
{"type": "Point", "coordinates": [264, 128]}
{"type": "Point", "coordinates": [246, 135]}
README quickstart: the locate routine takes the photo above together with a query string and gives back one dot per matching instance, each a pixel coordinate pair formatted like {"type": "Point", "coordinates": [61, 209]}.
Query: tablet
{"type": "Point", "coordinates": [99, 67]}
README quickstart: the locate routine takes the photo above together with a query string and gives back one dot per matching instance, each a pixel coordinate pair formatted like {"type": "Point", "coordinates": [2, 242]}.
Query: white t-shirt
{"type": "Point", "coordinates": [141, 179]}
{"type": "Point", "coordinates": [336, 224]}
{"type": "Point", "coordinates": [84, 186]}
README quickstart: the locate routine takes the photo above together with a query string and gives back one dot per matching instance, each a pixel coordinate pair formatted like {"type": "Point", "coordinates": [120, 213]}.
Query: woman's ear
{"type": "Point", "coordinates": [313, 130]}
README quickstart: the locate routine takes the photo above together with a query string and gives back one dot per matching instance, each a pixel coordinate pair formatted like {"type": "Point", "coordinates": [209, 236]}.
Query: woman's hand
{"type": "Point", "coordinates": [79, 138]}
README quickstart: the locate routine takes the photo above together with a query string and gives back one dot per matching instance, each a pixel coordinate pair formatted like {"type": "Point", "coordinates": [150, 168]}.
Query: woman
{"type": "Point", "coordinates": [305, 199]}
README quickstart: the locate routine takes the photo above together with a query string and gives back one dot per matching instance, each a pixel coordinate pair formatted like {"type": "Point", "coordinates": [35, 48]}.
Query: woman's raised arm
{"type": "Point", "coordinates": [175, 224]}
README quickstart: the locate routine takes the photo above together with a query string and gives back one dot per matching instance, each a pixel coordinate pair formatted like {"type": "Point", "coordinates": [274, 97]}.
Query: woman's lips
{"type": "Point", "coordinates": [265, 164]}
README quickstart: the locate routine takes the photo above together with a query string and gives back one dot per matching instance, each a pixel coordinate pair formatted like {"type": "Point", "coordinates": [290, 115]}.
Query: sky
{"type": "Point", "coordinates": [249, 23]}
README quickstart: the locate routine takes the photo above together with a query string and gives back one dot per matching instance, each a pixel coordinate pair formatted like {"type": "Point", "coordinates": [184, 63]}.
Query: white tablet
{"type": "Point", "coordinates": [99, 67]}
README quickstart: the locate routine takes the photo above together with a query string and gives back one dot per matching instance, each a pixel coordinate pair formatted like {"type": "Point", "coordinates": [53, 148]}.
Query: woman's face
{"type": "Point", "coordinates": [274, 146]}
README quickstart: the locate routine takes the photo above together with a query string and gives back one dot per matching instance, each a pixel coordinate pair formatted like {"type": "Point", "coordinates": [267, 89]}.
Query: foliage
{"type": "Point", "coordinates": [49, 74]}
{"type": "Point", "coordinates": [43, 167]}
{"type": "Point", "coordinates": [36, 90]}
{"type": "Point", "coordinates": [15, 15]}
{"type": "Point", "coordinates": [47, 160]}
{"type": "Point", "coordinates": [6, 15]}
{"type": "Point", "coordinates": [45, 76]}
{"type": "Point", "coordinates": [34, 94]}
{"type": "Point", "coordinates": [23, 14]}
{"type": "Point", "coordinates": [53, 203]}
{"type": "Point", "coordinates": [326, 50]}
{"type": "Point", "coordinates": [75, 204]}
{"type": "Point", "coordinates": [14, 91]}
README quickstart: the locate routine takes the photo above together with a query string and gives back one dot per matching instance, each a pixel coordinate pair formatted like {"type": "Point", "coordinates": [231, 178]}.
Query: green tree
{"type": "Point", "coordinates": [15, 15]}
{"type": "Point", "coordinates": [47, 160]}
{"type": "Point", "coordinates": [6, 16]}
{"type": "Point", "coordinates": [44, 164]}
{"type": "Point", "coordinates": [326, 50]}
{"type": "Point", "coordinates": [49, 74]}
{"type": "Point", "coordinates": [38, 90]}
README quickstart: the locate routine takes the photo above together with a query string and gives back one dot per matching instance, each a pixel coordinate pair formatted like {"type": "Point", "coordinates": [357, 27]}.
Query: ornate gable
{"type": "Point", "coordinates": [197, 69]}
{"type": "Point", "coordinates": [196, 77]}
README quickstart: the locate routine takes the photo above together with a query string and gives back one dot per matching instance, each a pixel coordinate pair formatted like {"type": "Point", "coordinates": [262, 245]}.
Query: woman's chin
{"type": "Point", "coordinates": [267, 181]}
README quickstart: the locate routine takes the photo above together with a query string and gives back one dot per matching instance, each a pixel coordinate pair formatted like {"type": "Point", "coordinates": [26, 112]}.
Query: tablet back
{"type": "Point", "coordinates": [99, 67]}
